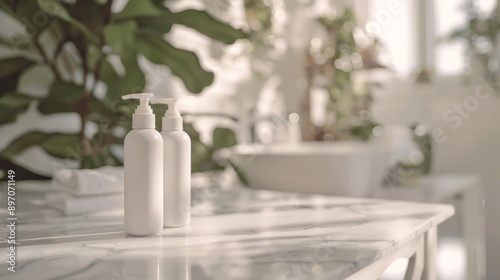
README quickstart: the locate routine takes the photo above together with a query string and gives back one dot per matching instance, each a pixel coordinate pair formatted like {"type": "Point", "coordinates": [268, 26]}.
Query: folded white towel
{"type": "Point", "coordinates": [84, 204]}
{"type": "Point", "coordinates": [107, 179]}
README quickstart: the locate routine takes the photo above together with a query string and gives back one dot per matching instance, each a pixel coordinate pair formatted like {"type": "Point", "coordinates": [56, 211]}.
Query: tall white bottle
{"type": "Point", "coordinates": [143, 162]}
{"type": "Point", "coordinates": [177, 167]}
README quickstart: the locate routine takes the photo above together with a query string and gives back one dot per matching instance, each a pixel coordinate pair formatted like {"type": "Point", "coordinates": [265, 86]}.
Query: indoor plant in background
{"type": "Point", "coordinates": [480, 34]}
{"type": "Point", "coordinates": [93, 56]}
{"type": "Point", "coordinates": [266, 20]}
{"type": "Point", "coordinates": [260, 101]}
{"type": "Point", "coordinates": [330, 64]}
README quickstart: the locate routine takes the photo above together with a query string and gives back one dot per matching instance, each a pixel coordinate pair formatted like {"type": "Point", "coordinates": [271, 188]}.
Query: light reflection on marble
{"type": "Point", "coordinates": [240, 234]}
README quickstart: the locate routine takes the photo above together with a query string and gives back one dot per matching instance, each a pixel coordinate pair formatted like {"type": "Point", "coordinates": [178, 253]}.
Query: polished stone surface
{"type": "Point", "coordinates": [235, 234]}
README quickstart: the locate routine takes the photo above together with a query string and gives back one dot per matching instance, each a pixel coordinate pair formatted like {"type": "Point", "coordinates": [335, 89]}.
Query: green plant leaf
{"type": "Point", "coordinates": [191, 131]}
{"type": "Point", "coordinates": [63, 98]}
{"type": "Point", "coordinates": [137, 9]}
{"type": "Point", "coordinates": [100, 111]}
{"type": "Point", "coordinates": [29, 14]}
{"type": "Point", "coordinates": [21, 172]}
{"type": "Point", "coordinates": [200, 157]}
{"type": "Point", "coordinates": [12, 105]}
{"type": "Point", "coordinates": [183, 64]}
{"type": "Point", "coordinates": [23, 11]}
{"type": "Point", "coordinates": [113, 159]}
{"type": "Point", "coordinates": [54, 8]}
{"type": "Point", "coordinates": [10, 71]}
{"type": "Point", "coordinates": [91, 161]}
{"type": "Point", "coordinates": [7, 6]}
{"type": "Point", "coordinates": [94, 55]}
{"type": "Point", "coordinates": [92, 14]}
{"type": "Point", "coordinates": [239, 172]}
{"type": "Point", "coordinates": [110, 77]}
{"type": "Point", "coordinates": [56, 144]}
{"type": "Point", "coordinates": [132, 81]}
{"type": "Point", "coordinates": [120, 37]}
{"type": "Point", "coordinates": [61, 145]}
{"type": "Point", "coordinates": [223, 138]}
{"type": "Point", "coordinates": [200, 154]}
{"type": "Point", "coordinates": [11, 65]}
{"type": "Point", "coordinates": [20, 44]}
{"type": "Point", "coordinates": [161, 24]}
{"type": "Point", "coordinates": [153, 15]}
{"type": "Point", "coordinates": [105, 157]}
{"type": "Point", "coordinates": [5, 41]}
{"type": "Point", "coordinates": [204, 23]}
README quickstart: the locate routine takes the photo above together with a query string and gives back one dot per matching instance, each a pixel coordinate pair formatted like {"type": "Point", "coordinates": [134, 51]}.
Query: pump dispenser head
{"type": "Point", "coordinates": [143, 116]}
{"type": "Point", "coordinates": [172, 119]}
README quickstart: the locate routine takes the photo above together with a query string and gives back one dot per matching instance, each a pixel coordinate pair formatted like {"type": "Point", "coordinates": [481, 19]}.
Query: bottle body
{"type": "Point", "coordinates": [177, 178]}
{"type": "Point", "coordinates": [143, 164]}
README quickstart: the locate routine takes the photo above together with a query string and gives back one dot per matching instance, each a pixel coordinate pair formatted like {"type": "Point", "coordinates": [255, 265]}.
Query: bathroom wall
{"type": "Point", "coordinates": [470, 138]}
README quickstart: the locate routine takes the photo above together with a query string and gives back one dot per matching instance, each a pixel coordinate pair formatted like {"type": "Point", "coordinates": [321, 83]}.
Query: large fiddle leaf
{"type": "Point", "coordinates": [54, 8]}
{"type": "Point", "coordinates": [56, 144]}
{"type": "Point", "coordinates": [154, 15]}
{"type": "Point", "coordinates": [204, 23]}
{"type": "Point", "coordinates": [223, 138]}
{"type": "Point", "coordinates": [12, 105]}
{"type": "Point", "coordinates": [137, 9]}
{"type": "Point", "coordinates": [121, 37]}
{"type": "Point", "coordinates": [10, 70]}
{"type": "Point", "coordinates": [184, 64]}
{"type": "Point", "coordinates": [105, 157]}
{"type": "Point", "coordinates": [133, 80]}
{"type": "Point", "coordinates": [87, 37]}
{"type": "Point", "coordinates": [63, 98]}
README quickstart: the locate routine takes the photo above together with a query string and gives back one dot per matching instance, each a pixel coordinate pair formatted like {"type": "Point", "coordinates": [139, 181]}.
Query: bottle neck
{"type": "Point", "coordinates": [143, 121]}
{"type": "Point", "coordinates": [171, 124]}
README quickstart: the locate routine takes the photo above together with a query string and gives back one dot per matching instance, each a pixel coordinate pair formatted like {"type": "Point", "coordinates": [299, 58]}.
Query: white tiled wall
{"type": "Point", "coordinates": [473, 147]}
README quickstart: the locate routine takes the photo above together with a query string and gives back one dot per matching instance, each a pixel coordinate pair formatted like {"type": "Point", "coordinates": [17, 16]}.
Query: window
{"type": "Point", "coordinates": [398, 32]}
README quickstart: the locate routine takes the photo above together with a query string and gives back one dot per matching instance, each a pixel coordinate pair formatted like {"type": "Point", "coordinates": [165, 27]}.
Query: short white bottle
{"type": "Point", "coordinates": [177, 167]}
{"type": "Point", "coordinates": [143, 164]}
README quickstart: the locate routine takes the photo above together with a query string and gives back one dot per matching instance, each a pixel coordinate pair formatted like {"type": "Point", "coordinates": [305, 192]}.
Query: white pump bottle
{"type": "Point", "coordinates": [177, 167]}
{"type": "Point", "coordinates": [143, 162]}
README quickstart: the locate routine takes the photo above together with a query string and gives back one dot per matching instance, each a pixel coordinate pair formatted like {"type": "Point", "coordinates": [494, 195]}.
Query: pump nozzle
{"type": "Point", "coordinates": [172, 119]}
{"type": "Point", "coordinates": [143, 107]}
{"type": "Point", "coordinates": [143, 116]}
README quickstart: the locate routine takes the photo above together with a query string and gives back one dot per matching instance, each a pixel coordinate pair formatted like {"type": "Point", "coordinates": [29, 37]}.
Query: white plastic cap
{"type": "Point", "coordinates": [172, 119]}
{"type": "Point", "coordinates": [143, 116]}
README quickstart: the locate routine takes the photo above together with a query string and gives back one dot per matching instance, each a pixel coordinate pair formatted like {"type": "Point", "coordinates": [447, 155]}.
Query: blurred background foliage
{"type": "Point", "coordinates": [93, 55]}
{"type": "Point", "coordinates": [480, 34]}
{"type": "Point", "coordinates": [330, 65]}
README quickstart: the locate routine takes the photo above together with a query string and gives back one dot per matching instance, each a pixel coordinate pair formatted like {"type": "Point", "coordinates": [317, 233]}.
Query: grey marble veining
{"type": "Point", "coordinates": [237, 234]}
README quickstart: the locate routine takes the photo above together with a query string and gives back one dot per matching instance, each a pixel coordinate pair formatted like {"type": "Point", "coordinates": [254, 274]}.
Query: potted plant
{"type": "Point", "coordinates": [92, 56]}
{"type": "Point", "coordinates": [330, 65]}
{"type": "Point", "coordinates": [480, 36]}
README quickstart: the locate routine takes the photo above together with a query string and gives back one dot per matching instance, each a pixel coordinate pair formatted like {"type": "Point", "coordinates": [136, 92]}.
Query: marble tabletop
{"type": "Point", "coordinates": [234, 234]}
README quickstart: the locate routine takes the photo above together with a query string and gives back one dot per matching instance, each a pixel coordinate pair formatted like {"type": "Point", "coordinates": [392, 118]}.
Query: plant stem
{"type": "Point", "coordinates": [59, 51]}
{"type": "Point", "coordinates": [59, 47]}
{"type": "Point", "coordinates": [97, 72]}
{"type": "Point", "coordinates": [106, 138]}
{"type": "Point", "coordinates": [107, 135]}
{"type": "Point", "coordinates": [84, 101]}
{"type": "Point", "coordinates": [97, 75]}
{"type": "Point", "coordinates": [46, 59]}
{"type": "Point", "coordinates": [83, 112]}
{"type": "Point", "coordinates": [64, 54]}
